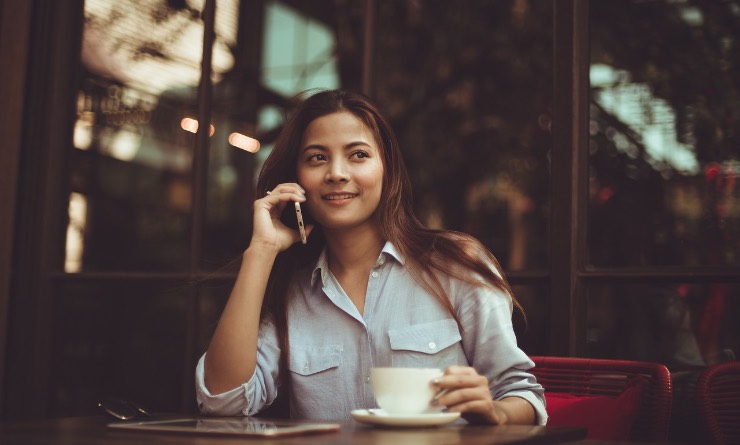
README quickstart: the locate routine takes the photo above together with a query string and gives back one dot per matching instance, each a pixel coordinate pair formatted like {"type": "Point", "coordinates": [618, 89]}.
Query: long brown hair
{"type": "Point", "coordinates": [427, 252]}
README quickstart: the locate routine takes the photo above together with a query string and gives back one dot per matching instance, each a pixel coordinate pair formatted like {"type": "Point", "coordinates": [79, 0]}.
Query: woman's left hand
{"type": "Point", "coordinates": [463, 390]}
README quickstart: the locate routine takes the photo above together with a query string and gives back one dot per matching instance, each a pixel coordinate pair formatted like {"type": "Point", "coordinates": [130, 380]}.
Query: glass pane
{"type": "Point", "coordinates": [664, 150]}
{"type": "Point", "coordinates": [533, 329]}
{"type": "Point", "coordinates": [298, 49]}
{"type": "Point", "coordinates": [211, 304]}
{"type": "Point", "coordinates": [468, 88]}
{"type": "Point", "coordinates": [678, 324]}
{"type": "Point", "coordinates": [133, 140]}
{"type": "Point", "coordinates": [281, 49]}
{"type": "Point", "coordinates": [119, 340]}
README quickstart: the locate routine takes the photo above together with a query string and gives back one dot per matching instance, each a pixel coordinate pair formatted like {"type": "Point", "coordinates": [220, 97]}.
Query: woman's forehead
{"type": "Point", "coordinates": [337, 127]}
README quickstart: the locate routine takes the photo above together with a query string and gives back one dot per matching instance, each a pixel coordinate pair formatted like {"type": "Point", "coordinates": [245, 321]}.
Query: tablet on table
{"type": "Point", "coordinates": [234, 426]}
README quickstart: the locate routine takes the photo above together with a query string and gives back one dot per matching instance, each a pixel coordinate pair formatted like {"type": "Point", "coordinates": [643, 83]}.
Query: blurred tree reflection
{"type": "Point", "coordinates": [664, 188]}
{"type": "Point", "coordinates": [688, 53]}
{"type": "Point", "coordinates": [468, 89]}
{"type": "Point", "coordinates": [674, 202]}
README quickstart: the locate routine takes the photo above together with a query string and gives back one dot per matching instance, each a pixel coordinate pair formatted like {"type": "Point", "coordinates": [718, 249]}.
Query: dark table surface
{"type": "Point", "coordinates": [94, 430]}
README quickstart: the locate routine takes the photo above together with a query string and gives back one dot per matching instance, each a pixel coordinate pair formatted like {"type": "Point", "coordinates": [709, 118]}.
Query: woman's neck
{"type": "Point", "coordinates": [350, 250]}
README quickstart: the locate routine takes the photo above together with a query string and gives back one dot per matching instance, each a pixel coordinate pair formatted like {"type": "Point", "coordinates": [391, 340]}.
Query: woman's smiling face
{"type": "Point", "coordinates": [341, 168]}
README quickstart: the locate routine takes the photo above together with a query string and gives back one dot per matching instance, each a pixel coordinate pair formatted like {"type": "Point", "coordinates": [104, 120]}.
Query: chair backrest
{"type": "Point", "coordinates": [718, 402]}
{"type": "Point", "coordinates": [605, 377]}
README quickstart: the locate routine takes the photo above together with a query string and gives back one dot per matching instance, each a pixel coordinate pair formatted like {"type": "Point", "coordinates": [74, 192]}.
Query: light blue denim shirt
{"type": "Point", "coordinates": [333, 346]}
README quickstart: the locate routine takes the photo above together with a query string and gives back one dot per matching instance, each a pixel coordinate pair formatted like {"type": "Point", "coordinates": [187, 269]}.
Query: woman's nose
{"type": "Point", "coordinates": [337, 172]}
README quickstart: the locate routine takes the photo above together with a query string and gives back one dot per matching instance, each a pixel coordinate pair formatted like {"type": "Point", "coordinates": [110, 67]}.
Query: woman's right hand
{"type": "Point", "coordinates": [268, 230]}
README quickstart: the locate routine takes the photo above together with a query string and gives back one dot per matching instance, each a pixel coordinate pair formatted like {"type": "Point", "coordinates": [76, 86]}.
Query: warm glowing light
{"type": "Point", "coordinates": [125, 143]}
{"type": "Point", "coordinates": [191, 125]}
{"type": "Point", "coordinates": [83, 134]}
{"type": "Point", "coordinates": [75, 232]}
{"type": "Point", "coordinates": [244, 142]}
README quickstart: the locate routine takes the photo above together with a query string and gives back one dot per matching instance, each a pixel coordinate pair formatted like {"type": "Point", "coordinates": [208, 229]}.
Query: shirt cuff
{"type": "Point", "coordinates": [537, 403]}
{"type": "Point", "coordinates": [234, 402]}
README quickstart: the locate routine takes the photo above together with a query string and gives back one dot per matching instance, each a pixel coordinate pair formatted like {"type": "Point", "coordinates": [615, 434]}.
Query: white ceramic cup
{"type": "Point", "coordinates": [403, 391]}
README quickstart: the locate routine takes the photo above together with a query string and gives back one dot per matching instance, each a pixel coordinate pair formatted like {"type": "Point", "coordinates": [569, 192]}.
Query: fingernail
{"type": "Point", "coordinates": [435, 381]}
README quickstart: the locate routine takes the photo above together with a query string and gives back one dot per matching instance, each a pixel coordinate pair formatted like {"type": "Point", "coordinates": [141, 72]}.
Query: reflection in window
{"type": "Point", "coordinates": [140, 71]}
{"type": "Point", "coordinates": [679, 324]}
{"type": "Point", "coordinates": [468, 88]}
{"type": "Point", "coordinates": [152, 45]}
{"type": "Point", "coordinates": [75, 233]}
{"type": "Point", "coordinates": [664, 151]}
{"type": "Point", "coordinates": [298, 52]}
{"type": "Point", "coordinates": [651, 120]}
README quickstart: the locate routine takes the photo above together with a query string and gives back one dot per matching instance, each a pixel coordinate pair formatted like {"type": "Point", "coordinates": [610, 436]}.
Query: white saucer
{"type": "Point", "coordinates": [380, 417]}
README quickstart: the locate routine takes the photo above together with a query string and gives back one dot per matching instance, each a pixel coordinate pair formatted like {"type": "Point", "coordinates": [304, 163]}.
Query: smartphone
{"type": "Point", "coordinates": [301, 226]}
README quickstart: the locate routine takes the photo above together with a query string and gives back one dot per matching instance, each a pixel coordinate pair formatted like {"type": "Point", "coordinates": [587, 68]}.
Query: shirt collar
{"type": "Point", "coordinates": [321, 269]}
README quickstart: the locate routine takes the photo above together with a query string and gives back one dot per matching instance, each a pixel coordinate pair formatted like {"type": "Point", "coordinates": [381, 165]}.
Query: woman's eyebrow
{"type": "Point", "coordinates": [314, 147]}
{"type": "Point", "coordinates": [356, 143]}
{"type": "Point", "coordinates": [347, 146]}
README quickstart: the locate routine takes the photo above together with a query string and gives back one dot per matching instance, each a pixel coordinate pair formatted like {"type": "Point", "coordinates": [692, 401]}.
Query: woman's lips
{"type": "Point", "coordinates": [338, 196]}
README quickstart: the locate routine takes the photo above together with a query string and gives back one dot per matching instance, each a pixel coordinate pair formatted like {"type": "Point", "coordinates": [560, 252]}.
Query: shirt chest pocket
{"type": "Point", "coordinates": [316, 376]}
{"type": "Point", "coordinates": [434, 344]}
{"type": "Point", "coordinates": [309, 360]}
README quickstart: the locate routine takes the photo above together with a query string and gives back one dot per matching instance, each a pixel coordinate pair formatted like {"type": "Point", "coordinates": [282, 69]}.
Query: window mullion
{"type": "Point", "coordinates": [569, 168]}
{"type": "Point", "coordinates": [200, 152]}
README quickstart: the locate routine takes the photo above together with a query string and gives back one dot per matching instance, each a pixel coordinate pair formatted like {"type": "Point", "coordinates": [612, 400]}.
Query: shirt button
{"type": "Point", "coordinates": [305, 367]}
{"type": "Point", "coordinates": [432, 345]}
{"type": "Point", "coordinates": [375, 274]}
{"type": "Point", "coordinates": [367, 379]}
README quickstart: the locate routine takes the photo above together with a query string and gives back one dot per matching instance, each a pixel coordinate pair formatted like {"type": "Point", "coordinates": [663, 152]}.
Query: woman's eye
{"type": "Point", "coordinates": [360, 154]}
{"type": "Point", "coordinates": [316, 157]}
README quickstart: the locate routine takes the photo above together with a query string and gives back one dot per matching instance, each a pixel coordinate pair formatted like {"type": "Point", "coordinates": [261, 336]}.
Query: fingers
{"type": "Point", "coordinates": [276, 199]}
{"type": "Point", "coordinates": [286, 192]}
{"type": "Point", "coordinates": [268, 229]}
{"type": "Point", "coordinates": [462, 389]}
{"type": "Point", "coordinates": [457, 397]}
{"type": "Point", "coordinates": [456, 377]}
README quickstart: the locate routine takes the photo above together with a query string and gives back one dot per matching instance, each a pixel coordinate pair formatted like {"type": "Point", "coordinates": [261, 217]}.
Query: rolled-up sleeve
{"type": "Point", "coordinates": [252, 396]}
{"type": "Point", "coordinates": [491, 345]}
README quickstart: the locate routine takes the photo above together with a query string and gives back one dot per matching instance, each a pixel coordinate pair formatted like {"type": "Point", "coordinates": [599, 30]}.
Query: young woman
{"type": "Point", "coordinates": [373, 287]}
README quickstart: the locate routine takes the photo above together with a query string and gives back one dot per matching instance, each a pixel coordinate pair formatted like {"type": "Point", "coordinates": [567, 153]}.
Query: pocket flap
{"type": "Point", "coordinates": [428, 338]}
{"type": "Point", "coordinates": [307, 360]}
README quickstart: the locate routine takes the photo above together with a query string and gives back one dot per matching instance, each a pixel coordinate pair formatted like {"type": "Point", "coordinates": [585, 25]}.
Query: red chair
{"type": "Point", "coordinates": [595, 392]}
{"type": "Point", "coordinates": [718, 402]}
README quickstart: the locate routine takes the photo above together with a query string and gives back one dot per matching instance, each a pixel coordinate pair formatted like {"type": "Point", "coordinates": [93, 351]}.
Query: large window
{"type": "Point", "coordinates": [664, 180]}
{"type": "Point", "coordinates": [665, 159]}
{"type": "Point", "coordinates": [591, 145]}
